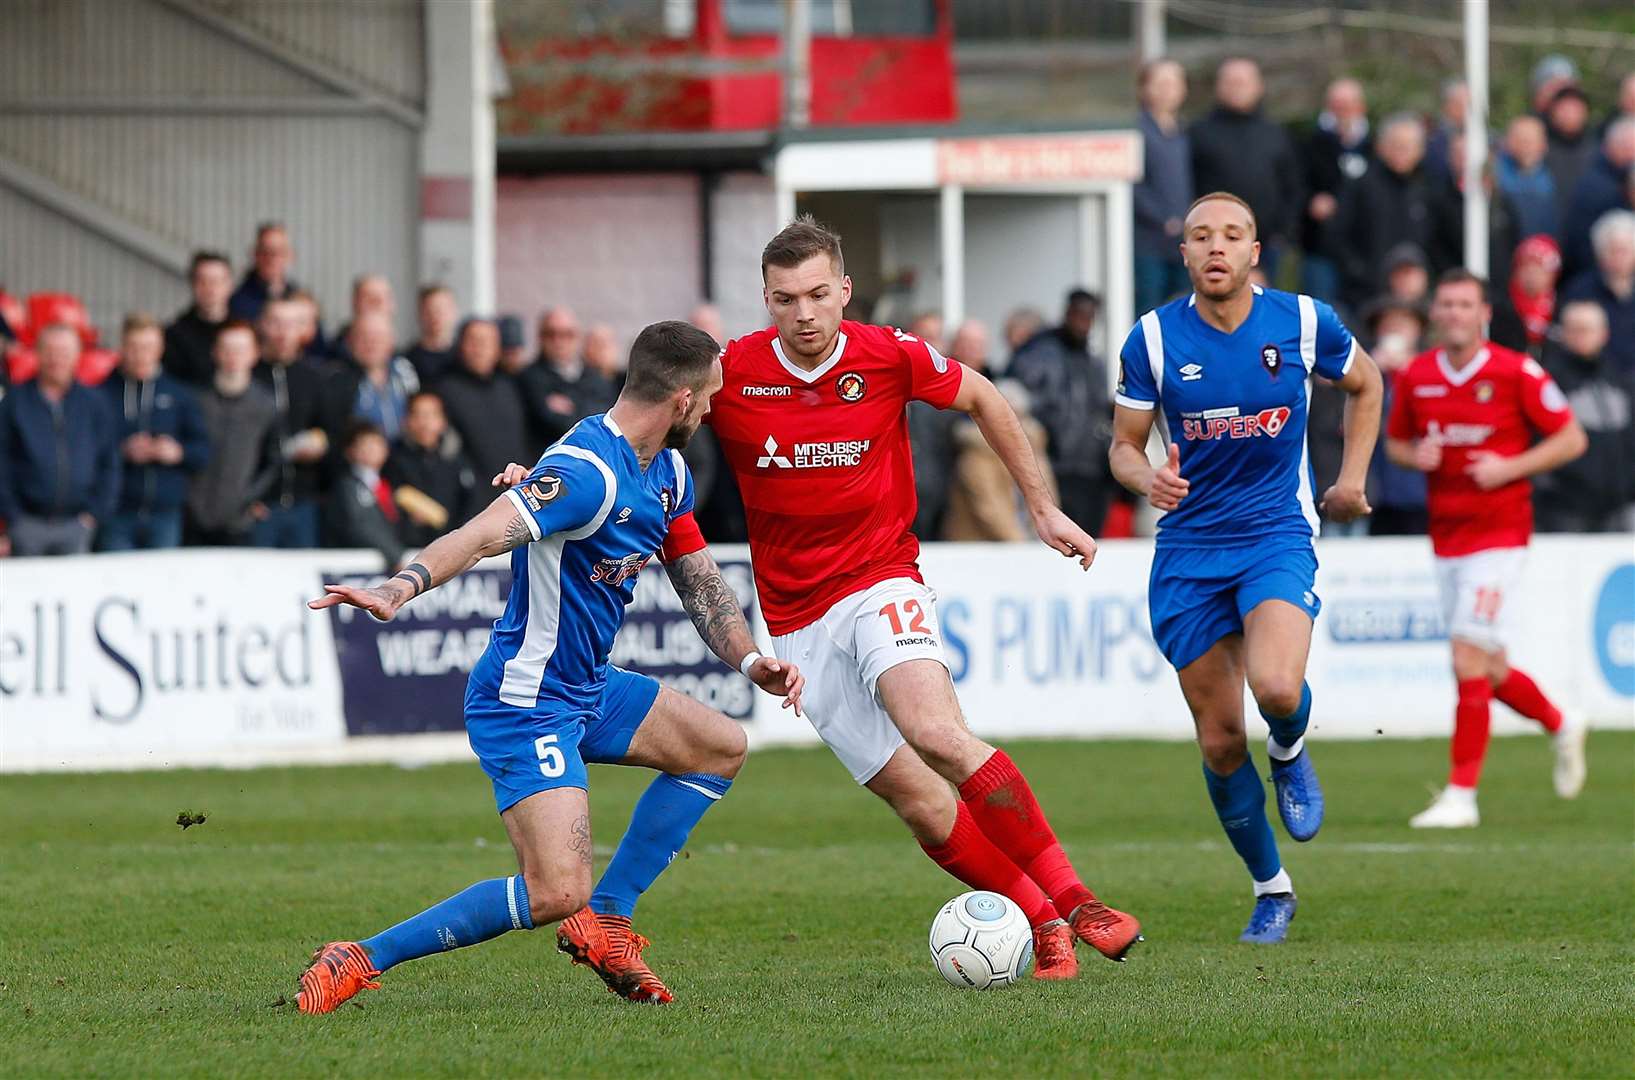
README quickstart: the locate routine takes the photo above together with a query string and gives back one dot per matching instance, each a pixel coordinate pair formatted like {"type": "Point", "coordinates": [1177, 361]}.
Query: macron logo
{"type": "Point", "coordinates": [772, 457]}
{"type": "Point", "coordinates": [767, 391]}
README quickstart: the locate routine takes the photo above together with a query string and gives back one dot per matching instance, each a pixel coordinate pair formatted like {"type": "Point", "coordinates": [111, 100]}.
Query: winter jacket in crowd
{"type": "Point", "coordinates": [58, 459]}
{"type": "Point", "coordinates": [1252, 157]}
{"type": "Point", "coordinates": [243, 432]}
{"type": "Point", "coordinates": [163, 405]}
{"type": "Point", "coordinates": [1592, 493]}
{"type": "Point", "coordinates": [489, 418]}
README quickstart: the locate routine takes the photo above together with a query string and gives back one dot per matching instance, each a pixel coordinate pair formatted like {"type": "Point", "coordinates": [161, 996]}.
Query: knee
{"type": "Point", "coordinates": [951, 750]}
{"type": "Point", "coordinates": [728, 753]}
{"type": "Point", "coordinates": [1224, 748]}
{"type": "Point", "coordinates": [1277, 695]}
{"type": "Point", "coordinates": [553, 898]}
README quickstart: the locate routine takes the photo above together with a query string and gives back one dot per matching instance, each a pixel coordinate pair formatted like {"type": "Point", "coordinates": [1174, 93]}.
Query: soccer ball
{"type": "Point", "coordinates": [981, 941]}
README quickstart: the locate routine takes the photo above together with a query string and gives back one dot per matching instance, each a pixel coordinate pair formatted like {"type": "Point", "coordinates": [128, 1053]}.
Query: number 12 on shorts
{"type": "Point", "coordinates": [551, 762]}
{"type": "Point", "coordinates": [909, 613]}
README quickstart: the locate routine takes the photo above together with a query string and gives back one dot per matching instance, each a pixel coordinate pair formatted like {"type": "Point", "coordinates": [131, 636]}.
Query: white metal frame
{"type": "Point", "coordinates": [910, 164]}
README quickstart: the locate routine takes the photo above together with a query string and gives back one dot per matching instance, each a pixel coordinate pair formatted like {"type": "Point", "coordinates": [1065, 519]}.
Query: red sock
{"type": "Point", "coordinates": [1003, 806]}
{"type": "Point", "coordinates": [1521, 693]}
{"type": "Point", "coordinates": [972, 857]}
{"type": "Point", "coordinates": [1470, 730]}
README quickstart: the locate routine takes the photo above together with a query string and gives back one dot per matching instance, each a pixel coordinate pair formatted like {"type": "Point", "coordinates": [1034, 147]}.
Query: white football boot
{"type": "Point", "coordinates": [1570, 767]}
{"type": "Point", "coordinates": [1453, 808]}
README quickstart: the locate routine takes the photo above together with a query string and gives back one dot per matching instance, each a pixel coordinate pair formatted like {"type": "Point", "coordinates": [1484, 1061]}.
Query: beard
{"type": "Point", "coordinates": [681, 434]}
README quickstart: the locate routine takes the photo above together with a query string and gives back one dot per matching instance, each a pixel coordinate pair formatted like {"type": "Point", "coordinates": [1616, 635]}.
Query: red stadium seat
{"type": "Point", "coordinates": [21, 364]}
{"type": "Point", "coordinates": [95, 365]}
{"type": "Point", "coordinates": [47, 308]}
{"type": "Point", "coordinates": [15, 315]}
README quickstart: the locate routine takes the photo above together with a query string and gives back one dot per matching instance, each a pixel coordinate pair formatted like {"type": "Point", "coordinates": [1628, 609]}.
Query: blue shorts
{"type": "Point", "coordinates": [1196, 596]}
{"type": "Point", "coordinates": [526, 751]}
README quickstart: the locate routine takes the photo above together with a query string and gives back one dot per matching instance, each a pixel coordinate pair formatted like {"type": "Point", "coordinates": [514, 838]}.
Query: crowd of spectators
{"type": "Point", "coordinates": [243, 422]}
{"type": "Point", "coordinates": [1372, 211]}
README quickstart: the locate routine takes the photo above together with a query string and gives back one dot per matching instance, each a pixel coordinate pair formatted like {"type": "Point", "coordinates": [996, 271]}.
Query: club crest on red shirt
{"type": "Point", "coordinates": [850, 386]}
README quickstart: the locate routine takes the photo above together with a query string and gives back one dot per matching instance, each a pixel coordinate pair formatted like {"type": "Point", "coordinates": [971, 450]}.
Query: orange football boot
{"type": "Point", "coordinates": [339, 970]}
{"type": "Point", "coordinates": [1110, 932]}
{"type": "Point", "coordinates": [608, 946]}
{"type": "Point", "coordinates": [1053, 956]}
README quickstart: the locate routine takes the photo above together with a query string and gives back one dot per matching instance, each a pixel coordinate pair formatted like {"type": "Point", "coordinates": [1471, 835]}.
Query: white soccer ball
{"type": "Point", "coordinates": [981, 941]}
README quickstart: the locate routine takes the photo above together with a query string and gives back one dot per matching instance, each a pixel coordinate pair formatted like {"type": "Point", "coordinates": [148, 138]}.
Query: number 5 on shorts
{"type": "Point", "coordinates": [910, 608]}
{"type": "Point", "coordinates": [551, 762]}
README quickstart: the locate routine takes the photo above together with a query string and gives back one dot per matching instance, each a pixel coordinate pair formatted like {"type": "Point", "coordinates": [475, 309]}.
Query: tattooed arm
{"type": "Point", "coordinates": [714, 609]}
{"type": "Point", "coordinates": [495, 531]}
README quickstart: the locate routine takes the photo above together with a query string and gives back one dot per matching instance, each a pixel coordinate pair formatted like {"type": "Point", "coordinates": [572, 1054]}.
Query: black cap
{"type": "Point", "coordinates": [510, 331]}
{"type": "Point", "coordinates": [1405, 254]}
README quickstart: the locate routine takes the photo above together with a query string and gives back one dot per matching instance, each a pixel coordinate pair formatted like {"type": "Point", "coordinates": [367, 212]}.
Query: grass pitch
{"type": "Point", "coordinates": [794, 929]}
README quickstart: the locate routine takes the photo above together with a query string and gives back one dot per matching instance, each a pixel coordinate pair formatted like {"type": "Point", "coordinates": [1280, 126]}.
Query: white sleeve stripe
{"type": "Point", "coordinates": [1134, 403]}
{"type": "Point", "coordinates": [611, 489]}
{"type": "Point", "coordinates": [679, 464]}
{"type": "Point", "coordinates": [1308, 331]}
{"type": "Point", "coordinates": [1350, 358]}
{"type": "Point", "coordinates": [1153, 335]}
{"type": "Point", "coordinates": [516, 500]}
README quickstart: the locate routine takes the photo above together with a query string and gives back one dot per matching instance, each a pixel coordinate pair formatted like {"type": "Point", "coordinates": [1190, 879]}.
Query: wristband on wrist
{"type": "Point", "coordinates": [417, 576]}
{"type": "Point", "coordinates": [748, 662]}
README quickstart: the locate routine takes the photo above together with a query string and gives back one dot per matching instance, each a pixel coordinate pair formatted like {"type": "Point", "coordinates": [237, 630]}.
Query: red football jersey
{"type": "Point", "coordinates": [1495, 403]}
{"type": "Point", "coordinates": [822, 460]}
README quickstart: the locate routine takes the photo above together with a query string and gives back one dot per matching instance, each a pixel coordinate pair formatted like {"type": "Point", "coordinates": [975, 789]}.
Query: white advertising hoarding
{"type": "Point", "coordinates": [1039, 648]}
{"type": "Point", "coordinates": [165, 657]}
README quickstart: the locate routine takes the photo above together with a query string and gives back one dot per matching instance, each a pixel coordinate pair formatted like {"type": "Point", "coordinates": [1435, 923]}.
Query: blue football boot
{"type": "Point", "coordinates": [1299, 795]}
{"type": "Point", "coordinates": [1269, 923]}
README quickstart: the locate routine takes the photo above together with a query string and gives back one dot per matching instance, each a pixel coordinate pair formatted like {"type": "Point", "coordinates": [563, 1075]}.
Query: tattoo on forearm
{"type": "Point", "coordinates": [579, 838]}
{"type": "Point", "coordinates": [709, 600]}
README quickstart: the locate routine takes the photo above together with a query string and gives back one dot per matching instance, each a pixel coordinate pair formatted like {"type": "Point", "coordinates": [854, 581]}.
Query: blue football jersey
{"type": "Point", "coordinates": [1236, 404]}
{"type": "Point", "coordinates": [597, 518]}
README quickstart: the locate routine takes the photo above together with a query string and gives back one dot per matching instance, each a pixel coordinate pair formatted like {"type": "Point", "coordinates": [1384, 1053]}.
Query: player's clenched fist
{"type": "Point", "coordinates": [1342, 503]}
{"type": "Point", "coordinates": [1428, 454]}
{"type": "Point", "coordinates": [1168, 489]}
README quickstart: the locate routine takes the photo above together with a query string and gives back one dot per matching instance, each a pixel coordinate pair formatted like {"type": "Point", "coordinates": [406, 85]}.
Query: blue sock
{"type": "Point", "coordinates": [1240, 803]}
{"type": "Point", "coordinates": [664, 815]}
{"type": "Point", "coordinates": [1288, 729]}
{"type": "Point", "coordinates": [485, 910]}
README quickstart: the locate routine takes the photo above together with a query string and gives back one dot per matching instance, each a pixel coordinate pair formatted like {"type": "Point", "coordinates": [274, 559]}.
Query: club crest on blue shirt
{"type": "Point", "coordinates": [665, 500]}
{"type": "Point", "coordinates": [536, 493]}
{"type": "Point", "coordinates": [1271, 359]}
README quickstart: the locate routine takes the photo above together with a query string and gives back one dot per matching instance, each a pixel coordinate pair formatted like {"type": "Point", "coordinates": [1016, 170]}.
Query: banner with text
{"type": "Point", "coordinates": [165, 657]}
{"type": "Point", "coordinates": [409, 675]}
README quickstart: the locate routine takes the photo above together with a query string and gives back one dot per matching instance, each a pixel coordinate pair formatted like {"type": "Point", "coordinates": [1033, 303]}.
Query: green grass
{"type": "Point", "coordinates": [794, 931]}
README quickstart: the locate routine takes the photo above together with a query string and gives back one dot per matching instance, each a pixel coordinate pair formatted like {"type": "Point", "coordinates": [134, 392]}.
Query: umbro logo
{"type": "Point", "coordinates": [1192, 373]}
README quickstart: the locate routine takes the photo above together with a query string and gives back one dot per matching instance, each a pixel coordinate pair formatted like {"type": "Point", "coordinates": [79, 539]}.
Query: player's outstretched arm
{"type": "Point", "coordinates": [1346, 500]}
{"type": "Point", "coordinates": [1163, 487]}
{"type": "Point", "coordinates": [713, 607]}
{"type": "Point", "coordinates": [495, 531]}
{"type": "Point", "coordinates": [979, 399]}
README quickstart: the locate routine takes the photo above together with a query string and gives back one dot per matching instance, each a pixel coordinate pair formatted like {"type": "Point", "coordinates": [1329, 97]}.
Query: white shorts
{"type": "Point", "coordinates": [1478, 595]}
{"type": "Point", "coordinates": [844, 654]}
